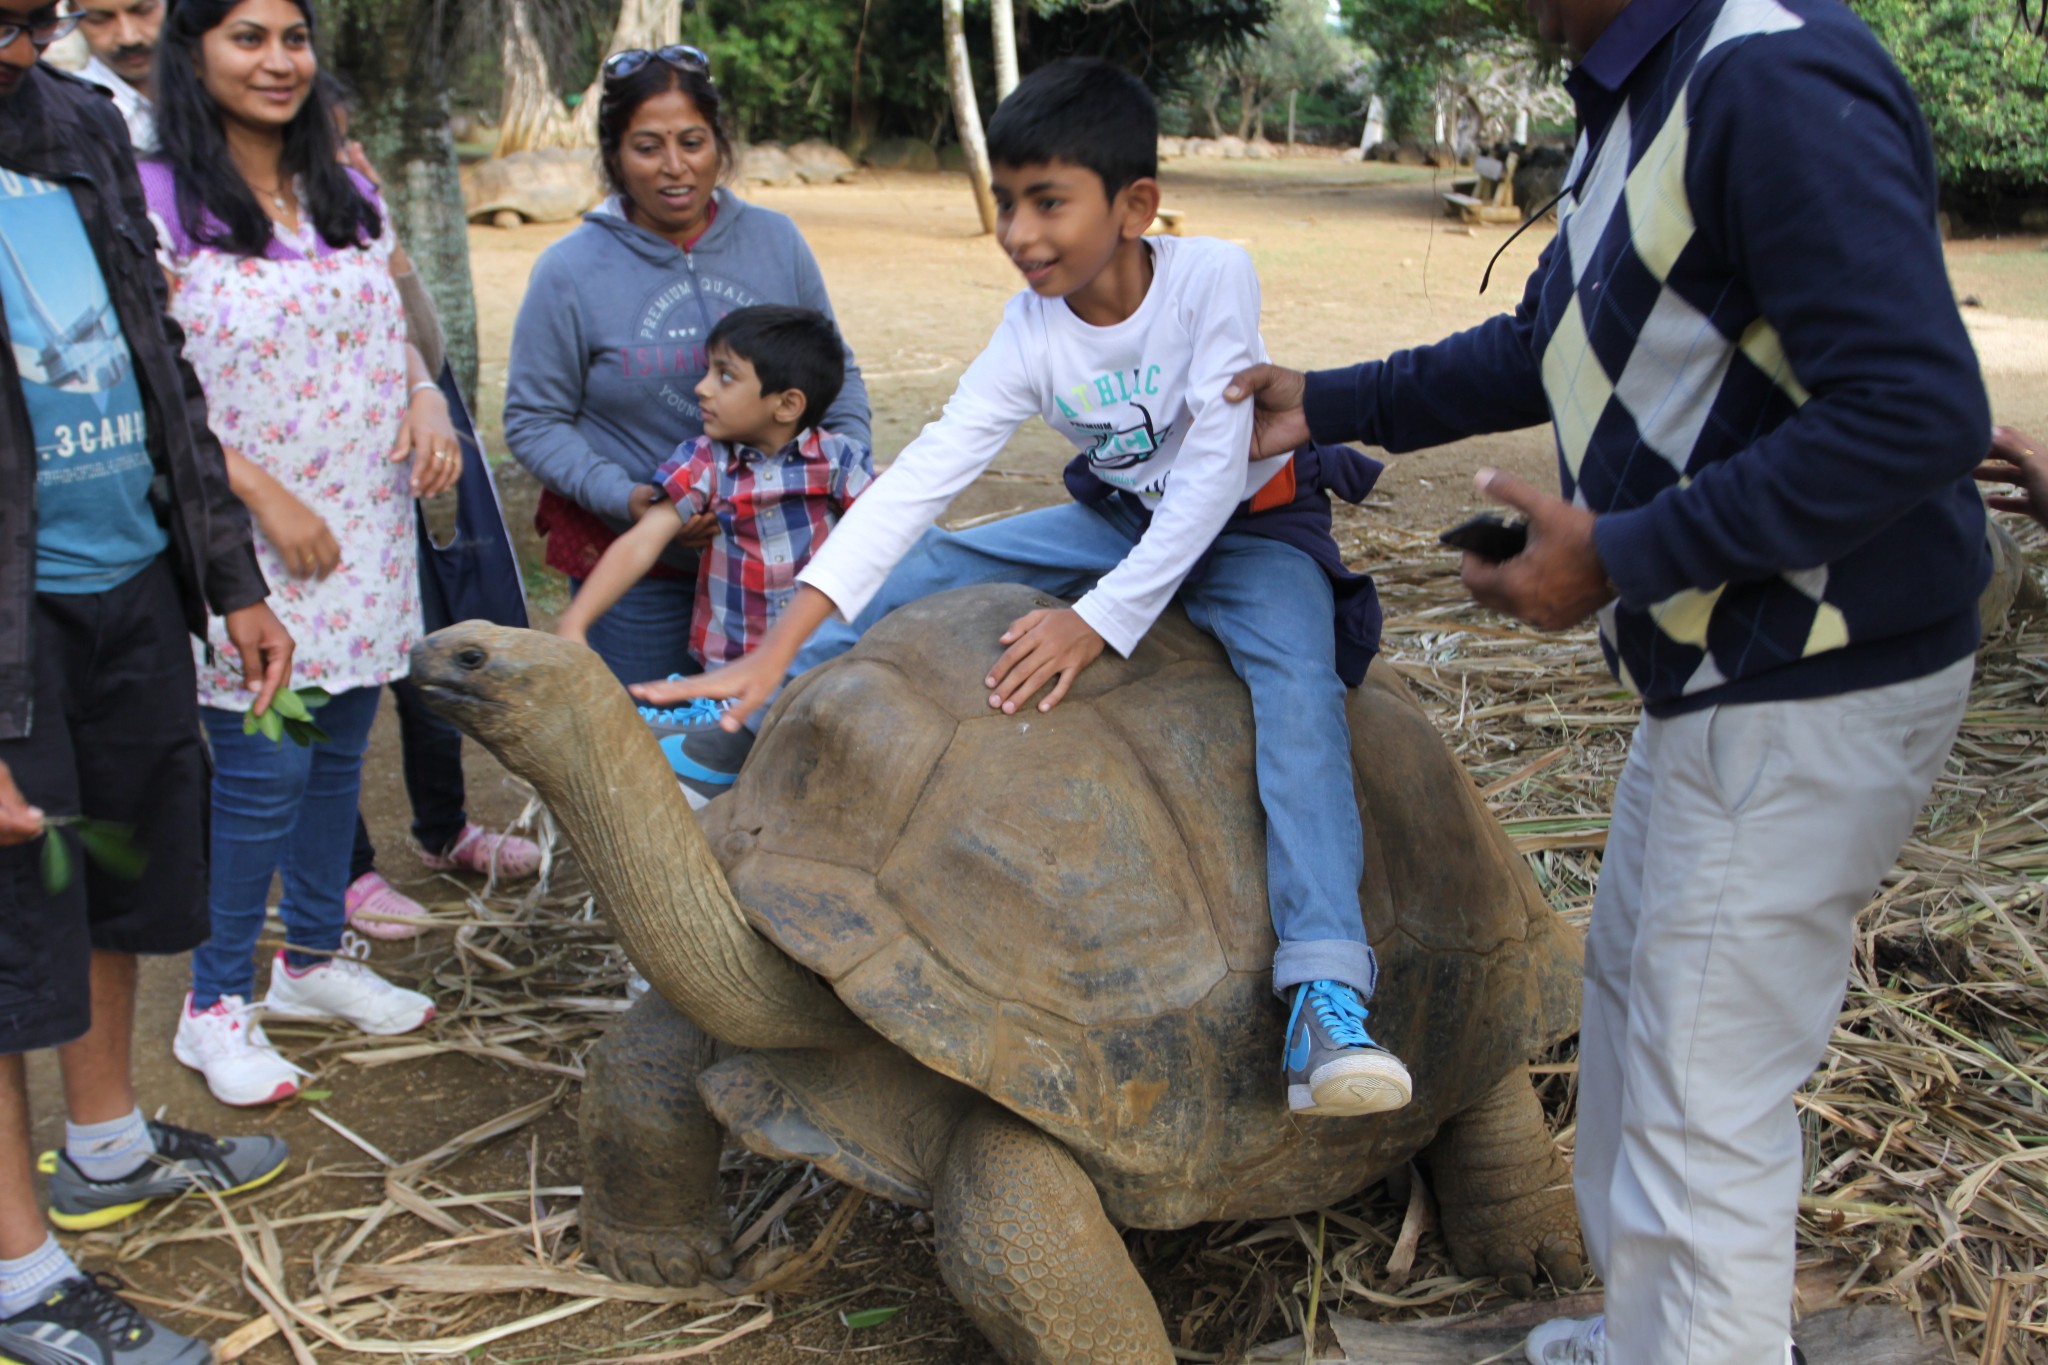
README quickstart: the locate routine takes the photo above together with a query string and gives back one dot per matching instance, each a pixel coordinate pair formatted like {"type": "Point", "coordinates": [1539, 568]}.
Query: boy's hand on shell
{"type": "Point", "coordinates": [748, 683]}
{"type": "Point", "coordinates": [1048, 646]}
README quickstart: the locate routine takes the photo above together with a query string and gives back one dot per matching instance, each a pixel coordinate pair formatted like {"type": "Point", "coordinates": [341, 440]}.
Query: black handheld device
{"type": "Point", "coordinates": [1488, 536]}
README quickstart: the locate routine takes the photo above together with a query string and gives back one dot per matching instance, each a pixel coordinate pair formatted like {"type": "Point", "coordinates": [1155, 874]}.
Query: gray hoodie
{"type": "Point", "coordinates": [609, 345]}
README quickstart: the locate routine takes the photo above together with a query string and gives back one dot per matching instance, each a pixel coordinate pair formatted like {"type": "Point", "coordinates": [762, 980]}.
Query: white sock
{"type": "Point", "coordinates": [110, 1150]}
{"type": "Point", "coordinates": [26, 1282]}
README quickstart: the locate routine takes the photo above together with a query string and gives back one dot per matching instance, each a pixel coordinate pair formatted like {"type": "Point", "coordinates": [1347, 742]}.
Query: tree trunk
{"type": "Point", "coordinates": [1292, 96]}
{"type": "Point", "coordinates": [1002, 24]}
{"type": "Point", "coordinates": [1212, 101]}
{"type": "Point", "coordinates": [530, 114]}
{"type": "Point", "coordinates": [651, 24]}
{"type": "Point", "coordinates": [967, 112]}
{"type": "Point", "coordinates": [400, 71]}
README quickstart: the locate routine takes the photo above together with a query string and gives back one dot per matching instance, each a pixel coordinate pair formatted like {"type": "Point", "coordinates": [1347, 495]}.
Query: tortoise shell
{"type": "Point", "coordinates": [1067, 910]}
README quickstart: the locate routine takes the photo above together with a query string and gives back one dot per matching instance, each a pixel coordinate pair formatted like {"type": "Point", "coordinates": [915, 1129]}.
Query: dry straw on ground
{"type": "Point", "coordinates": [1927, 1127]}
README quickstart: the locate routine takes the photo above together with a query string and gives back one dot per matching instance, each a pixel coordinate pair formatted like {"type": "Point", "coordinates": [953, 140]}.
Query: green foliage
{"type": "Point", "coordinates": [1419, 42]}
{"type": "Point", "coordinates": [1982, 82]}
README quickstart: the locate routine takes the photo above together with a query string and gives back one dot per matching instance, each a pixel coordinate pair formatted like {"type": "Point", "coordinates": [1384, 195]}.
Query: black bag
{"type": "Point", "coordinates": [475, 576]}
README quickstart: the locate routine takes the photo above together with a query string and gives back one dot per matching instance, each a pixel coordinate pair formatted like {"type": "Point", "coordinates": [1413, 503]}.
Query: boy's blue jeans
{"type": "Point", "coordinates": [1269, 606]}
{"type": "Point", "coordinates": [279, 806]}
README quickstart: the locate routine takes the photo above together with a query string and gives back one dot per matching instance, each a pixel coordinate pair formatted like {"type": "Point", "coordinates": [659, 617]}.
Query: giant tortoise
{"type": "Point", "coordinates": [1014, 969]}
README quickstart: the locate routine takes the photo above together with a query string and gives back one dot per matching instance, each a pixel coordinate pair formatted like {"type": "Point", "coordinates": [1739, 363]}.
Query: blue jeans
{"type": "Point", "coordinates": [279, 806]}
{"type": "Point", "coordinates": [1270, 607]}
{"type": "Point", "coordinates": [646, 635]}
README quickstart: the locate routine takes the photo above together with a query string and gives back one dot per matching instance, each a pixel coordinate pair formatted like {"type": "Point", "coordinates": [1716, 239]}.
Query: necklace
{"type": "Point", "coordinates": [276, 194]}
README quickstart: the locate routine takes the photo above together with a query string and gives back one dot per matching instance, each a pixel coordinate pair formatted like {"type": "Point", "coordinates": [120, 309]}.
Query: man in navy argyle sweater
{"type": "Point", "coordinates": [1767, 412]}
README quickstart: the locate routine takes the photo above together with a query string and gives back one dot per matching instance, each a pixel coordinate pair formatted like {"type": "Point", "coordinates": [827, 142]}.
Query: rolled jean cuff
{"type": "Point", "coordinates": [1327, 959]}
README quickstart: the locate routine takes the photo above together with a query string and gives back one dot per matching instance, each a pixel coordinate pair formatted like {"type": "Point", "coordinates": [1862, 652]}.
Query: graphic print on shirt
{"type": "Point", "coordinates": [93, 472]}
{"type": "Point", "coordinates": [668, 342]}
{"type": "Point", "coordinates": [1121, 423]}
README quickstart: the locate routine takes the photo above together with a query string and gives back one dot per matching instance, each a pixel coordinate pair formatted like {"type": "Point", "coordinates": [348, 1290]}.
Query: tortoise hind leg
{"type": "Point", "coordinates": [1024, 1245]}
{"type": "Point", "coordinates": [1504, 1194]}
{"type": "Point", "coordinates": [651, 1208]}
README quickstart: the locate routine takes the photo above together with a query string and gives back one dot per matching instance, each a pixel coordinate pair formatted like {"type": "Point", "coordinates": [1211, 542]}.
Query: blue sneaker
{"type": "Point", "coordinates": [692, 717]}
{"type": "Point", "coordinates": [1333, 1066]}
{"type": "Point", "coordinates": [705, 761]}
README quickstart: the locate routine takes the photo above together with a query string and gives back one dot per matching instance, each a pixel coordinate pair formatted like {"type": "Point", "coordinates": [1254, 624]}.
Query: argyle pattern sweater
{"type": "Point", "coordinates": [1744, 337]}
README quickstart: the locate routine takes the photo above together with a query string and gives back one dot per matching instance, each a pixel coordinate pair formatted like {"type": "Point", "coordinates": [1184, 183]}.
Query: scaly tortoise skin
{"type": "Point", "coordinates": [1015, 969]}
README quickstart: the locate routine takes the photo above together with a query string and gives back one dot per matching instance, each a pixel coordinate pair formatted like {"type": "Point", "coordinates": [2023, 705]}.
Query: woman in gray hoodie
{"type": "Point", "coordinates": [609, 344]}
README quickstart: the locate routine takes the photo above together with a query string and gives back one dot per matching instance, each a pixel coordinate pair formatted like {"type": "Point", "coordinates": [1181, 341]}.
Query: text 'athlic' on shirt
{"type": "Point", "coordinates": [95, 528]}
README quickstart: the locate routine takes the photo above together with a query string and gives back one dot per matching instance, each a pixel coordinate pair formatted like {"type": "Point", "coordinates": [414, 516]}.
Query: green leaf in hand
{"type": "Point", "coordinates": [56, 862]}
{"type": "Point", "coordinates": [290, 713]}
{"type": "Point", "coordinates": [113, 847]}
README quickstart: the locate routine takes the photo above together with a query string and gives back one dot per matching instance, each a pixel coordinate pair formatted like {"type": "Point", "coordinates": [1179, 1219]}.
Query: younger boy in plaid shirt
{"type": "Point", "coordinates": [776, 485]}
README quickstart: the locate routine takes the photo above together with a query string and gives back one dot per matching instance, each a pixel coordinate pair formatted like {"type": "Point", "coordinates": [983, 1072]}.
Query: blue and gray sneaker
{"type": "Point", "coordinates": [706, 761]}
{"type": "Point", "coordinates": [184, 1161]}
{"type": "Point", "coordinates": [1333, 1066]}
{"type": "Point", "coordinates": [83, 1322]}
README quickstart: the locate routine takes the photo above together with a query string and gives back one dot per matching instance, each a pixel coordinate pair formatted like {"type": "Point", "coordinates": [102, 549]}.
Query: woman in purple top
{"type": "Point", "coordinates": [280, 267]}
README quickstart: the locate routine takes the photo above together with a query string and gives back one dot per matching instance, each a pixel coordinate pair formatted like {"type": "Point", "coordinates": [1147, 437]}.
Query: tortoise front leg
{"type": "Point", "coordinates": [1504, 1194]}
{"type": "Point", "coordinates": [1024, 1245]}
{"type": "Point", "coordinates": [651, 1207]}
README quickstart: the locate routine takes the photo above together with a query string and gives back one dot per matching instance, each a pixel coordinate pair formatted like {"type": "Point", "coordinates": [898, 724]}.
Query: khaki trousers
{"type": "Point", "coordinates": [1745, 839]}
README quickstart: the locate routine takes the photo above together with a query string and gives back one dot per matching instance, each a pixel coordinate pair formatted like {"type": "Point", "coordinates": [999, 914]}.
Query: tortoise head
{"type": "Point", "coordinates": [536, 701]}
{"type": "Point", "coordinates": [553, 714]}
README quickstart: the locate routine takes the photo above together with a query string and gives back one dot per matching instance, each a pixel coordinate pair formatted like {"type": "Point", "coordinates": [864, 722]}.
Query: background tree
{"type": "Point", "coordinates": [398, 56]}
{"type": "Point", "coordinates": [967, 112]}
{"type": "Point", "coordinates": [1421, 43]}
{"type": "Point", "coordinates": [530, 113]}
{"type": "Point", "coordinates": [1982, 79]}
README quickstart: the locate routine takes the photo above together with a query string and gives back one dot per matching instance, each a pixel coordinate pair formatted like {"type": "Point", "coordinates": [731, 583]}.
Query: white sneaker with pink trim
{"type": "Point", "coordinates": [225, 1044]}
{"type": "Point", "coordinates": [344, 988]}
{"type": "Point", "coordinates": [381, 910]}
{"type": "Point", "coordinates": [477, 849]}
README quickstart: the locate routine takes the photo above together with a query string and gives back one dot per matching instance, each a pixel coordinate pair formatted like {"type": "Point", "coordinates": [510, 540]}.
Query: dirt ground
{"type": "Point", "coordinates": [1355, 262]}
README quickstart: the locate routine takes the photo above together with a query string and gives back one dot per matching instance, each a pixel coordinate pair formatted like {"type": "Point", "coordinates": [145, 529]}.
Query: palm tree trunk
{"type": "Point", "coordinates": [967, 112]}
{"type": "Point", "coordinates": [1002, 22]}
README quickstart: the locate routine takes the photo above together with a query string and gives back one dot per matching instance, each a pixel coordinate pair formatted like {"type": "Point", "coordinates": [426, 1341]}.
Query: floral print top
{"type": "Point", "coordinates": [301, 353]}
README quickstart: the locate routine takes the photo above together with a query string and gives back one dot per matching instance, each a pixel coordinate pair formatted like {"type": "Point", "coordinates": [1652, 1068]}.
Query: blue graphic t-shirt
{"type": "Point", "coordinates": [94, 526]}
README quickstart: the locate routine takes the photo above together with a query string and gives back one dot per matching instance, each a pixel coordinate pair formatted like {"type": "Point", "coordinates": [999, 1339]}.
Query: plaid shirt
{"type": "Point", "coordinates": [773, 514]}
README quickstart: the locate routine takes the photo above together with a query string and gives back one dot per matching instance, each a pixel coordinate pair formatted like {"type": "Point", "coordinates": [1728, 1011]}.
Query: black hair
{"type": "Point", "coordinates": [623, 96]}
{"type": "Point", "coordinates": [789, 348]}
{"type": "Point", "coordinates": [215, 205]}
{"type": "Point", "coordinates": [1084, 111]}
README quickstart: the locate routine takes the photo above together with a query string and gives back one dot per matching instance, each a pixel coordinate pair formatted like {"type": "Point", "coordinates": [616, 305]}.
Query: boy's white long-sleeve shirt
{"type": "Point", "coordinates": [1143, 399]}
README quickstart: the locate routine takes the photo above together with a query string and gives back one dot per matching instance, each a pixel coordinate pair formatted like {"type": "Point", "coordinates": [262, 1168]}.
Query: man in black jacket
{"type": "Point", "coordinates": [118, 535]}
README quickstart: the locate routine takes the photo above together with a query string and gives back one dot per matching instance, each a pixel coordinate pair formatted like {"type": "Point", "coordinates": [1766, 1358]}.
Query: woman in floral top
{"type": "Point", "coordinates": [280, 265]}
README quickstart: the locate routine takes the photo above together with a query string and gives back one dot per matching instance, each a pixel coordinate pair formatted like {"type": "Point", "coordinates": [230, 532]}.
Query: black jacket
{"type": "Point", "coordinates": [60, 129]}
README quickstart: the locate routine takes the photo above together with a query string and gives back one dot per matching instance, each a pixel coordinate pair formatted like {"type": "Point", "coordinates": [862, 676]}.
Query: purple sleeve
{"type": "Point", "coordinates": [160, 192]}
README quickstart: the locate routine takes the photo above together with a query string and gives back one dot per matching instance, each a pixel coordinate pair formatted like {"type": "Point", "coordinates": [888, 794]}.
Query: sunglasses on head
{"type": "Point", "coordinates": [681, 56]}
{"type": "Point", "coordinates": [42, 32]}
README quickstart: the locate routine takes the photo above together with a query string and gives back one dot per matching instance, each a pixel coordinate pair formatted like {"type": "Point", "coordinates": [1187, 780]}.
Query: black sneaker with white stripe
{"type": "Point", "coordinates": [84, 1322]}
